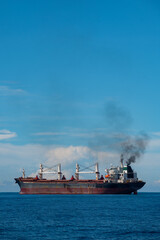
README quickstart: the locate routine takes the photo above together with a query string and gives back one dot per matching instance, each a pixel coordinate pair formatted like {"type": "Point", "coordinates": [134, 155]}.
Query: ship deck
{"type": "Point", "coordinates": [58, 181]}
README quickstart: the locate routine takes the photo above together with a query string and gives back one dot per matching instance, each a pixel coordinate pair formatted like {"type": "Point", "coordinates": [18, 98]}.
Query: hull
{"type": "Point", "coordinates": [30, 186]}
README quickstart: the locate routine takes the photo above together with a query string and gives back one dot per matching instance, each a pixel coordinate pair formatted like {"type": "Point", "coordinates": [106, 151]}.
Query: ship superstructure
{"type": "Point", "coordinates": [117, 180]}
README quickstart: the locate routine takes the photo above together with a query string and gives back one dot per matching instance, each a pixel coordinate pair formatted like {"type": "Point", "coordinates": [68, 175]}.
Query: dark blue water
{"type": "Point", "coordinates": [80, 216]}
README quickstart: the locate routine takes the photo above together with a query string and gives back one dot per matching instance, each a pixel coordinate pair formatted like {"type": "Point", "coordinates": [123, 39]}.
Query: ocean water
{"type": "Point", "coordinates": [80, 216]}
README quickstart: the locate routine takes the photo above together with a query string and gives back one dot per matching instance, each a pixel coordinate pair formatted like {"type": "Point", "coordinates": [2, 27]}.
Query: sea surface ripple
{"type": "Point", "coordinates": [80, 217]}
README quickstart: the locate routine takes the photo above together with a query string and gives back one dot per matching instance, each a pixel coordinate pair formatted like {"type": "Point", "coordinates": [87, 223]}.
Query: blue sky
{"type": "Point", "coordinates": [61, 63]}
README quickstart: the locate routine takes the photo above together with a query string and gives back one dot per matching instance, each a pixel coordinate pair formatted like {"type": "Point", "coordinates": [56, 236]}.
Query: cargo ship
{"type": "Point", "coordinates": [117, 180]}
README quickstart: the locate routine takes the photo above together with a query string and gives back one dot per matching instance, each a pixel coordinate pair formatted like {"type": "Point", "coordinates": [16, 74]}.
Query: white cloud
{"type": "Point", "coordinates": [16, 157]}
{"type": "Point", "coordinates": [151, 159]}
{"type": "Point", "coordinates": [156, 133]}
{"type": "Point", "coordinates": [6, 91]}
{"type": "Point", "coordinates": [13, 158]}
{"type": "Point", "coordinates": [158, 181]}
{"type": "Point", "coordinates": [103, 157]}
{"type": "Point", "coordinates": [50, 134]}
{"type": "Point", "coordinates": [31, 155]}
{"type": "Point", "coordinates": [154, 144]}
{"type": "Point", "coordinates": [6, 134]}
{"type": "Point", "coordinates": [71, 134]}
{"type": "Point", "coordinates": [66, 155]}
{"type": "Point", "coordinates": [22, 155]}
{"type": "Point", "coordinates": [4, 131]}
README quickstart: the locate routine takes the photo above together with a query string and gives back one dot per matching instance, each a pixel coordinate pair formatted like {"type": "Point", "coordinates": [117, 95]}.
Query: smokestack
{"type": "Point", "coordinates": [134, 147]}
{"type": "Point", "coordinates": [117, 139]}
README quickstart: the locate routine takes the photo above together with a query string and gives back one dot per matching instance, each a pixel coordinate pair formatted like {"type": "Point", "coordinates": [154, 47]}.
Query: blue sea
{"type": "Point", "coordinates": [80, 216]}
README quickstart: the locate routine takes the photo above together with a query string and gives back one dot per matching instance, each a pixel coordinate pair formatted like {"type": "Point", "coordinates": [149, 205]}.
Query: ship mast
{"type": "Point", "coordinates": [23, 173]}
{"type": "Point", "coordinates": [41, 172]}
{"type": "Point", "coordinates": [96, 171]}
{"type": "Point", "coordinates": [59, 172]}
{"type": "Point", "coordinates": [50, 170]}
{"type": "Point", "coordinates": [77, 171]}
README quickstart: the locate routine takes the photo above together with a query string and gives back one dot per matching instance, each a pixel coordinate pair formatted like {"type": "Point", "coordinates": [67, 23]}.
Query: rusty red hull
{"type": "Point", "coordinates": [32, 186]}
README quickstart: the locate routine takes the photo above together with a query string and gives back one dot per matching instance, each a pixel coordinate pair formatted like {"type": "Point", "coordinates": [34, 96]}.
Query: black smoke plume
{"type": "Point", "coordinates": [134, 147]}
{"type": "Point", "coordinates": [117, 118]}
{"type": "Point", "coordinates": [117, 138]}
